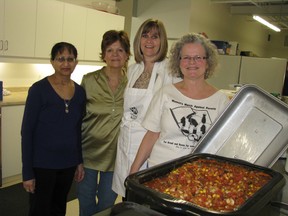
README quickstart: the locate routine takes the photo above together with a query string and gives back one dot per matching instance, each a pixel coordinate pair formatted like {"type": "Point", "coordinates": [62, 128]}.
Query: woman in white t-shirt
{"type": "Point", "coordinates": [180, 114]}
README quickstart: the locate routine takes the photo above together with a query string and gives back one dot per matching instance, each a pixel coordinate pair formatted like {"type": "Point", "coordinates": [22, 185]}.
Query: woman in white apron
{"type": "Point", "coordinates": [145, 77]}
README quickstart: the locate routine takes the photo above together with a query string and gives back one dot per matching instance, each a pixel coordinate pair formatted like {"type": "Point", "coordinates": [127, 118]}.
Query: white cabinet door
{"type": "Point", "coordinates": [2, 41]}
{"type": "Point", "coordinates": [74, 27]}
{"type": "Point", "coordinates": [49, 26]}
{"type": "Point", "coordinates": [19, 27]}
{"type": "Point", "coordinates": [29, 28]}
{"type": "Point", "coordinates": [11, 140]}
{"type": "Point", "coordinates": [97, 24]}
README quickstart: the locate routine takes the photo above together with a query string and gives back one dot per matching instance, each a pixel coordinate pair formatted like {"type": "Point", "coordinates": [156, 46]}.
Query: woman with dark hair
{"type": "Point", "coordinates": [51, 135]}
{"type": "Point", "coordinates": [145, 77]}
{"type": "Point", "coordinates": [100, 127]}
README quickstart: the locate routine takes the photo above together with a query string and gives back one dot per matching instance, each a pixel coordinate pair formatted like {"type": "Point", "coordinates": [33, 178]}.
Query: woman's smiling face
{"type": "Point", "coordinates": [150, 43]}
{"type": "Point", "coordinates": [115, 55]}
{"type": "Point", "coordinates": [193, 62]}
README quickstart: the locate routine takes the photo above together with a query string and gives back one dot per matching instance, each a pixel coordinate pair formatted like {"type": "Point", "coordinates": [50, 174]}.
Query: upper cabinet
{"type": "Point", "coordinates": [97, 24]}
{"type": "Point", "coordinates": [17, 27]}
{"type": "Point", "coordinates": [74, 27]}
{"type": "Point", "coordinates": [30, 28]}
{"type": "Point", "coordinates": [85, 27]}
{"type": "Point", "coordinates": [2, 27]}
{"type": "Point", "coordinates": [49, 26]}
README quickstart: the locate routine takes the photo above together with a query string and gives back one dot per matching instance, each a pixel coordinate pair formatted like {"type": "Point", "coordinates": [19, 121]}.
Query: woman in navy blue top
{"type": "Point", "coordinates": [51, 135]}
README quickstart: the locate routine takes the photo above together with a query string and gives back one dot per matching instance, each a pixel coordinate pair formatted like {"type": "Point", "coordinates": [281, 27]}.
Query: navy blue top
{"type": "Point", "coordinates": [51, 138]}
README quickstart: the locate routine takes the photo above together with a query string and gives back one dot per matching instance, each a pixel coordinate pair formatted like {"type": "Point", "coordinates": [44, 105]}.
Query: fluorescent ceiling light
{"type": "Point", "coordinates": [264, 22]}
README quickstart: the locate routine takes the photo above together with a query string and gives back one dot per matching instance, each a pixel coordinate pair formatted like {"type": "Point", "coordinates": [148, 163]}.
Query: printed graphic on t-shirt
{"type": "Point", "coordinates": [192, 121]}
{"type": "Point", "coordinates": [133, 113]}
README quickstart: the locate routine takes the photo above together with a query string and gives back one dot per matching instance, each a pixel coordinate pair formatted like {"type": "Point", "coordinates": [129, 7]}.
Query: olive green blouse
{"type": "Point", "coordinates": [100, 127]}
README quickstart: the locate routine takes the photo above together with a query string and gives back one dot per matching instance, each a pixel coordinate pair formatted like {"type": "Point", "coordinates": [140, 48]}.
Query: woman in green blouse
{"type": "Point", "coordinates": [100, 127]}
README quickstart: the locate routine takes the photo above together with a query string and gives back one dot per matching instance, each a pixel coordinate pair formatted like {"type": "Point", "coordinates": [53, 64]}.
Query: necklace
{"type": "Point", "coordinates": [66, 102]}
{"type": "Point", "coordinates": [143, 81]}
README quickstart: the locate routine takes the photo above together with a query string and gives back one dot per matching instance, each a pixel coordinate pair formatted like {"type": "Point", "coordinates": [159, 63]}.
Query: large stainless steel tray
{"type": "Point", "coordinates": [253, 127]}
{"type": "Point", "coordinates": [138, 193]}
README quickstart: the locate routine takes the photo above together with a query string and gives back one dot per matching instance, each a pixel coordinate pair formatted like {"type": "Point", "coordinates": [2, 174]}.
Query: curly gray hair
{"type": "Point", "coordinates": [210, 49]}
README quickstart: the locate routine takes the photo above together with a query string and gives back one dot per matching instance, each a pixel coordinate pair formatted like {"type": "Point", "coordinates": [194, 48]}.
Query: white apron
{"type": "Point", "coordinates": [136, 102]}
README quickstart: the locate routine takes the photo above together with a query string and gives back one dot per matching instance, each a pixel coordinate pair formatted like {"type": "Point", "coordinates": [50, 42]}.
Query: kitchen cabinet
{"type": "Point", "coordinates": [17, 27]}
{"type": "Point", "coordinates": [97, 24]}
{"type": "Point", "coordinates": [74, 27]}
{"type": "Point", "coordinates": [29, 29]}
{"type": "Point", "coordinates": [11, 140]}
{"type": "Point", "coordinates": [2, 41]}
{"type": "Point", "coordinates": [49, 26]}
{"type": "Point", "coordinates": [84, 27]}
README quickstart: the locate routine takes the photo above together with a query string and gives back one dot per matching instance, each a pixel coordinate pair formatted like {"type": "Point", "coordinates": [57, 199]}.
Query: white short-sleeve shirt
{"type": "Point", "coordinates": [181, 121]}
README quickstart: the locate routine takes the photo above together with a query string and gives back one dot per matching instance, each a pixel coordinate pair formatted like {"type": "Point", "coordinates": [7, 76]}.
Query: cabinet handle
{"type": "Point", "coordinates": [6, 45]}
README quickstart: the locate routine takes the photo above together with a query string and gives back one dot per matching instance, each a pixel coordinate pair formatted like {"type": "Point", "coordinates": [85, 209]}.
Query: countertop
{"type": "Point", "coordinates": [17, 97]}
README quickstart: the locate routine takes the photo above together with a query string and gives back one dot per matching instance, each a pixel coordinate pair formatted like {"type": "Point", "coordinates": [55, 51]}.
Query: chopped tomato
{"type": "Point", "coordinates": [212, 184]}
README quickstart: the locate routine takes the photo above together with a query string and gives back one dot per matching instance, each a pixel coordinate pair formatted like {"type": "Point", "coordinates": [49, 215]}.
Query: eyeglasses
{"type": "Point", "coordinates": [63, 59]}
{"type": "Point", "coordinates": [197, 59]}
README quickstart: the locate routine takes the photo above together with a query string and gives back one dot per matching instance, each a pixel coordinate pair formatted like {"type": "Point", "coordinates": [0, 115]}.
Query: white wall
{"type": "Point", "coordinates": [215, 20]}
{"type": "Point", "coordinates": [219, 24]}
{"type": "Point", "coordinates": [174, 14]}
{"type": "Point", "coordinates": [171, 13]}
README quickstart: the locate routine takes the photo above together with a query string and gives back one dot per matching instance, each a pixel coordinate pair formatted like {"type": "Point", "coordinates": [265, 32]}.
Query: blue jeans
{"type": "Point", "coordinates": [96, 184]}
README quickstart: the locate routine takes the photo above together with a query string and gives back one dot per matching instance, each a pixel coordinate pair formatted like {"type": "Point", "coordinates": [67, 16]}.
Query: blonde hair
{"type": "Point", "coordinates": [210, 50]}
{"type": "Point", "coordinates": [146, 27]}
